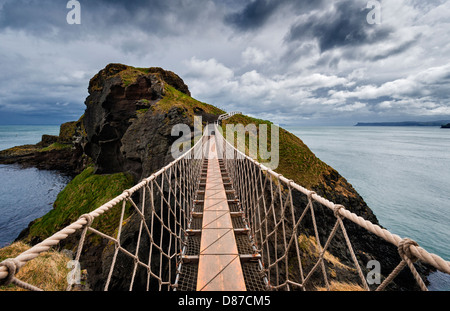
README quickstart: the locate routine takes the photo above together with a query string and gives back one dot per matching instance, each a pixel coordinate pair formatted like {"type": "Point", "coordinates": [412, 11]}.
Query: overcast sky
{"type": "Point", "coordinates": [299, 62]}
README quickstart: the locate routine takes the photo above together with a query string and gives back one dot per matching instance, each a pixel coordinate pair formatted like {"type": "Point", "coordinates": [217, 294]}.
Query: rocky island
{"type": "Point", "coordinates": [125, 136]}
{"type": "Point", "coordinates": [446, 126]}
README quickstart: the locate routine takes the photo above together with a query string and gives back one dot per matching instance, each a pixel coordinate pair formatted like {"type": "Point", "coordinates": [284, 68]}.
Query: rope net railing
{"type": "Point", "coordinates": [288, 229]}
{"type": "Point", "coordinates": [160, 206]}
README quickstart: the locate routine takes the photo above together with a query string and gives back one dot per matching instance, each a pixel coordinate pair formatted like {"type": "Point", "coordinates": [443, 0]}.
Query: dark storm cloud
{"type": "Point", "coordinates": [256, 13]}
{"type": "Point", "coordinates": [47, 63]}
{"type": "Point", "coordinates": [35, 17]}
{"type": "Point", "coordinates": [304, 57]}
{"type": "Point", "coordinates": [346, 25]}
{"type": "Point", "coordinates": [100, 17]}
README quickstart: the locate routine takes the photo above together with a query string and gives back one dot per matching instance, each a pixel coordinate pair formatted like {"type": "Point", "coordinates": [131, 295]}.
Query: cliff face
{"type": "Point", "coordinates": [128, 121]}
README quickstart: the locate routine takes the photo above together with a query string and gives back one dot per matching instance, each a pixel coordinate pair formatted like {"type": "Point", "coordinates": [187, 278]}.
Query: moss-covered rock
{"type": "Point", "coordinates": [85, 193]}
{"type": "Point", "coordinates": [130, 113]}
{"type": "Point", "coordinates": [67, 132]}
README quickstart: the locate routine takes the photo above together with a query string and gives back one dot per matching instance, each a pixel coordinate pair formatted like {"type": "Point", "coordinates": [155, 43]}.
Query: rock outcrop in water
{"type": "Point", "coordinates": [127, 128]}
{"type": "Point", "coordinates": [63, 153]}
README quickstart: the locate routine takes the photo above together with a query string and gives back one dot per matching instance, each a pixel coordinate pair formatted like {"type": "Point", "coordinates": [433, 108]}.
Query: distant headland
{"type": "Point", "coordinates": [446, 126]}
{"type": "Point", "coordinates": [442, 123]}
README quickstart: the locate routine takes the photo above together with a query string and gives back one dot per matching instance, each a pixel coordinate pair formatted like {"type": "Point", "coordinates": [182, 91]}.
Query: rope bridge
{"type": "Point", "coordinates": [275, 225]}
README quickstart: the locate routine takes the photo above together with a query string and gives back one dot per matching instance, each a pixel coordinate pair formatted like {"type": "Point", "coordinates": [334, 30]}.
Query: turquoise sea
{"type": "Point", "coordinates": [403, 174]}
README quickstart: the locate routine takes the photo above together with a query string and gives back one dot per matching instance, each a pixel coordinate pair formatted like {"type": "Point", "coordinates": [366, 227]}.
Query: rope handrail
{"type": "Point", "coordinates": [249, 176]}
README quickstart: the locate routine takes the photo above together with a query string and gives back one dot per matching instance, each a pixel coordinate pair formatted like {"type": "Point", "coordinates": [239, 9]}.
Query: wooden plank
{"type": "Point", "coordinates": [219, 263]}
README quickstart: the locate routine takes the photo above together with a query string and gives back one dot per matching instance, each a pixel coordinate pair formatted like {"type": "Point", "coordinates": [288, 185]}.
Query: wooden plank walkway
{"type": "Point", "coordinates": [219, 262]}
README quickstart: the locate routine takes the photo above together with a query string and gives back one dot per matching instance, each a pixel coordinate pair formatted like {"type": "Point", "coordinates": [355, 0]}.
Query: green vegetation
{"type": "Point", "coordinates": [67, 131]}
{"type": "Point", "coordinates": [29, 149]}
{"type": "Point", "coordinates": [144, 101]}
{"type": "Point", "coordinates": [85, 193]}
{"type": "Point", "coordinates": [174, 98]}
{"type": "Point", "coordinates": [56, 146]}
{"type": "Point", "coordinates": [297, 162]}
{"type": "Point", "coordinates": [48, 271]}
{"type": "Point", "coordinates": [19, 150]}
{"type": "Point", "coordinates": [141, 111]}
{"type": "Point", "coordinates": [131, 74]}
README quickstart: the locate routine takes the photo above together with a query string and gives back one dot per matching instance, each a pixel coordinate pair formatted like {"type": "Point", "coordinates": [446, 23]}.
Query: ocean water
{"type": "Point", "coordinates": [25, 194]}
{"type": "Point", "coordinates": [403, 174]}
{"type": "Point", "coordinates": [16, 135]}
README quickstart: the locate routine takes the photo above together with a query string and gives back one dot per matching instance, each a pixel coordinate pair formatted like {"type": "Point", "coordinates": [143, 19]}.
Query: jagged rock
{"type": "Point", "coordinates": [172, 79]}
{"type": "Point", "coordinates": [117, 139]}
{"type": "Point", "coordinates": [67, 132]}
{"type": "Point", "coordinates": [47, 140]}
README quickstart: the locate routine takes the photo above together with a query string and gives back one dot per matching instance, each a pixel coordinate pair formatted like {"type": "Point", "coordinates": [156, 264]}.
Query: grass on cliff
{"type": "Point", "coordinates": [85, 193]}
{"type": "Point", "coordinates": [19, 150]}
{"type": "Point", "coordinates": [174, 98]}
{"type": "Point", "coordinates": [131, 74]}
{"type": "Point", "coordinates": [48, 271]}
{"type": "Point", "coordinates": [56, 146]}
{"type": "Point", "coordinates": [296, 160]}
{"type": "Point", "coordinates": [310, 252]}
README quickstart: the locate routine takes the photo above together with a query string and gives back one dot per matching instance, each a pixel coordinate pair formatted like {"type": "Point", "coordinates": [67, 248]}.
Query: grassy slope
{"type": "Point", "coordinates": [175, 98]}
{"type": "Point", "coordinates": [83, 194]}
{"type": "Point", "coordinates": [172, 97]}
{"type": "Point", "coordinates": [48, 271]}
{"type": "Point", "coordinates": [297, 162]}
